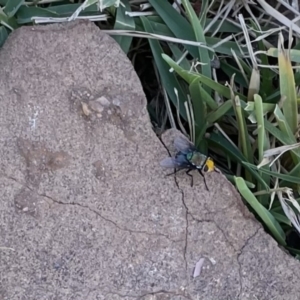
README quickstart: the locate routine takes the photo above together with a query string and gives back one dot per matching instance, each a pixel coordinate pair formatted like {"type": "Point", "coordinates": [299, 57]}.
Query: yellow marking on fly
{"type": "Point", "coordinates": [210, 165]}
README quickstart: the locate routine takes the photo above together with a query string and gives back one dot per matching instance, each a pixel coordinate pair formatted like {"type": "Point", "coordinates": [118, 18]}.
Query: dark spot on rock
{"type": "Point", "coordinates": [40, 160]}
{"type": "Point", "coordinates": [58, 160]}
{"type": "Point", "coordinates": [98, 169]}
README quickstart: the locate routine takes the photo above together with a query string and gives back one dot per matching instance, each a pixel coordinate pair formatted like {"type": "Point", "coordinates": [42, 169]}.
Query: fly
{"type": "Point", "coordinates": [188, 157]}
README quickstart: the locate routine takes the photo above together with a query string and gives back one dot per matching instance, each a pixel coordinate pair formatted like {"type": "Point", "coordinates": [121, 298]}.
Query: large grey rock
{"type": "Point", "coordinates": [85, 209]}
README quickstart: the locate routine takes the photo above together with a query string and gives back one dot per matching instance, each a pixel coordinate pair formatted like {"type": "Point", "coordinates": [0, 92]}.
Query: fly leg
{"type": "Point", "coordinates": [192, 179]}
{"type": "Point", "coordinates": [203, 179]}
{"type": "Point", "coordinates": [174, 172]}
{"type": "Point", "coordinates": [187, 172]}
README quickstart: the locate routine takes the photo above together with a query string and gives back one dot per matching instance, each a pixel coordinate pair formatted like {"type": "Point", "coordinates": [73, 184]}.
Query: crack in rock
{"type": "Point", "coordinates": [240, 265]}
{"type": "Point", "coordinates": [106, 219]}
{"type": "Point", "coordinates": [162, 291]}
{"type": "Point", "coordinates": [95, 212]}
{"type": "Point", "coordinates": [218, 227]}
{"type": "Point", "coordinates": [186, 213]}
{"type": "Point", "coordinates": [224, 235]}
{"type": "Point", "coordinates": [221, 210]}
{"type": "Point", "coordinates": [187, 223]}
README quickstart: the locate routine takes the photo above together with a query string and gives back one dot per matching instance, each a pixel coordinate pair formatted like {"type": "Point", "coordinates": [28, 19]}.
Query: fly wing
{"type": "Point", "coordinates": [178, 162]}
{"type": "Point", "coordinates": [182, 144]}
{"type": "Point", "coordinates": [170, 162]}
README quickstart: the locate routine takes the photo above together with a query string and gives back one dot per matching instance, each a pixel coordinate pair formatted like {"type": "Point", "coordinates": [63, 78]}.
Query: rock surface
{"type": "Point", "coordinates": [85, 209]}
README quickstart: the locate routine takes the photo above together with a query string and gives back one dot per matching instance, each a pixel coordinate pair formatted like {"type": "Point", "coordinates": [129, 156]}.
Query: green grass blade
{"type": "Point", "coordinates": [168, 78]}
{"type": "Point", "coordinates": [262, 145]}
{"type": "Point", "coordinates": [243, 132]}
{"type": "Point", "coordinates": [227, 27]}
{"type": "Point", "coordinates": [231, 178]}
{"type": "Point", "coordinates": [221, 111]}
{"type": "Point", "coordinates": [225, 47]}
{"type": "Point", "coordinates": [66, 10]}
{"type": "Point", "coordinates": [199, 108]}
{"type": "Point", "coordinates": [268, 219]}
{"type": "Point", "coordinates": [266, 107]}
{"type": "Point", "coordinates": [189, 77]}
{"type": "Point", "coordinates": [294, 54]}
{"type": "Point", "coordinates": [217, 140]}
{"type": "Point", "coordinates": [287, 88]}
{"type": "Point", "coordinates": [281, 136]}
{"type": "Point", "coordinates": [281, 218]}
{"type": "Point", "coordinates": [25, 13]}
{"type": "Point", "coordinates": [9, 23]}
{"type": "Point", "coordinates": [222, 48]}
{"type": "Point", "coordinates": [296, 252]}
{"type": "Point", "coordinates": [176, 23]}
{"type": "Point", "coordinates": [283, 123]}
{"type": "Point", "coordinates": [199, 34]}
{"type": "Point", "coordinates": [210, 102]}
{"type": "Point", "coordinates": [254, 84]}
{"type": "Point", "coordinates": [203, 12]}
{"type": "Point", "coordinates": [295, 172]}
{"type": "Point", "coordinates": [177, 54]}
{"type": "Point", "coordinates": [12, 7]}
{"type": "Point", "coordinates": [285, 139]}
{"type": "Point", "coordinates": [3, 35]}
{"type": "Point", "coordinates": [229, 70]}
{"type": "Point", "coordinates": [285, 177]}
{"type": "Point", "coordinates": [286, 130]}
{"type": "Point", "coordinates": [124, 22]}
{"type": "Point", "coordinates": [266, 73]}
